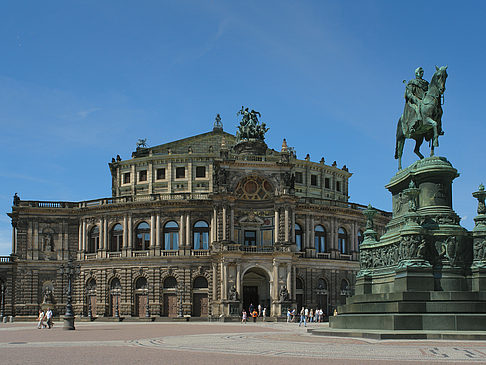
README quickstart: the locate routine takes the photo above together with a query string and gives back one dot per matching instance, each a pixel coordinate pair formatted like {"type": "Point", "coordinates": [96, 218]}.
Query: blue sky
{"type": "Point", "coordinates": [81, 81]}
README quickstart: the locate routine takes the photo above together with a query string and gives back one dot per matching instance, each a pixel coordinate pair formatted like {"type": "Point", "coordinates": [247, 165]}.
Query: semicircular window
{"type": "Point", "coordinates": [254, 188]}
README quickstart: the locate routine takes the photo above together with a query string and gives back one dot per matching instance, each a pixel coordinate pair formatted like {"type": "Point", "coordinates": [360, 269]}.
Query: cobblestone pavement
{"type": "Point", "coordinates": [216, 343]}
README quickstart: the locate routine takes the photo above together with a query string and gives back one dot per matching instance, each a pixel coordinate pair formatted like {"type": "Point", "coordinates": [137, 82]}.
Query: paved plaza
{"type": "Point", "coordinates": [216, 343]}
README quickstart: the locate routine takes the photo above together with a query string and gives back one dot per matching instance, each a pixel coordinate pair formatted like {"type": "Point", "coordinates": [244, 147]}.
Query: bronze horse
{"type": "Point", "coordinates": [429, 126]}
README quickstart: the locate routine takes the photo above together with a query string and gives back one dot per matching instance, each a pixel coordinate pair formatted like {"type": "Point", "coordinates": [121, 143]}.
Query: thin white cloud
{"type": "Point", "coordinates": [84, 113]}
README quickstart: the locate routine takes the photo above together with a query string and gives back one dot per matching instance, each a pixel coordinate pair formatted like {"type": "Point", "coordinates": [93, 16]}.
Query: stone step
{"type": "Point", "coordinates": [406, 321]}
{"type": "Point", "coordinates": [414, 307]}
{"type": "Point", "coordinates": [418, 296]}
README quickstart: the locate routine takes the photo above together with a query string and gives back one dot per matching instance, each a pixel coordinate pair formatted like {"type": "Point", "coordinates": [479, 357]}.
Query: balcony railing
{"type": "Point", "coordinates": [323, 255]}
{"type": "Point", "coordinates": [200, 252]}
{"type": "Point", "coordinates": [114, 254]}
{"type": "Point", "coordinates": [5, 259]}
{"type": "Point", "coordinates": [169, 253]}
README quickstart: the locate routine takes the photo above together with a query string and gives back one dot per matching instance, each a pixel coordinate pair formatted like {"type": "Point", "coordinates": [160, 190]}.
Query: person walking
{"type": "Point", "coordinates": [40, 323]}
{"type": "Point", "coordinates": [259, 310]}
{"type": "Point", "coordinates": [306, 316]}
{"type": "Point", "coordinates": [302, 316]}
{"type": "Point", "coordinates": [311, 315]}
{"type": "Point", "coordinates": [254, 314]}
{"type": "Point", "coordinates": [251, 308]}
{"type": "Point", "coordinates": [264, 314]}
{"type": "Point", "coordinates": [288, 315]}
{"type": "Point", "coordinates": [243, 317]}
{"type": "Point", "coordinates": [49, 318]}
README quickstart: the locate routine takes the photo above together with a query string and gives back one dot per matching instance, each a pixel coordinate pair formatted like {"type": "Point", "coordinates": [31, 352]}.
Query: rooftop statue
{"type": "Point", "coordinates": [422, 114]}
{"type": "Point", "coordinates": [249, 127]}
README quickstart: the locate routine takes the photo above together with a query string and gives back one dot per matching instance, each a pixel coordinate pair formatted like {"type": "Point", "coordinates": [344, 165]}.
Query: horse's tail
{"type": "Point", "coordinates": [399, 137]}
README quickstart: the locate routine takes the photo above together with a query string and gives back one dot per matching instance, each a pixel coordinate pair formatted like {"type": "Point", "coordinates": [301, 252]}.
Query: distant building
{"type": "Point", "coordinates": [202, 226]}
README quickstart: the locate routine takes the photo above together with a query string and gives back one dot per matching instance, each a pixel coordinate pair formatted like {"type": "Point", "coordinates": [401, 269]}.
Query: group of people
{"type": "Point", "coordinates": [305, 316]}
{"type": "Point", "coordinates": [254, 313]}
{"type": "Point", "coordinates": [45, 319]}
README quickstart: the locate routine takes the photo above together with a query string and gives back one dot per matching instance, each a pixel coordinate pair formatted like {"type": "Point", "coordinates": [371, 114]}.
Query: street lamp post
{"type": "Point", "coordinates": [70, 270]}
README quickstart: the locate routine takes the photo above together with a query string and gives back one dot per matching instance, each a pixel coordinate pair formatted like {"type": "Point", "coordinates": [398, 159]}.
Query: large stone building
{"type": "Point", "coordinates": [202, 226]}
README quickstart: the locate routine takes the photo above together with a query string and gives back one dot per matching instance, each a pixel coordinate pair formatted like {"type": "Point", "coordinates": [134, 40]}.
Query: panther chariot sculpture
{"type": "Point", "coordinates": [422, 114]}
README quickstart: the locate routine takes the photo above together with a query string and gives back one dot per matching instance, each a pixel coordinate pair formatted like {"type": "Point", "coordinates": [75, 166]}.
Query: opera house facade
{"type": "Point", "coordinates": [199, 227]}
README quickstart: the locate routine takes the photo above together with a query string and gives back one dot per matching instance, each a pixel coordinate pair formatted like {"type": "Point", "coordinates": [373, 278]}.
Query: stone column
{"type": "Point", "coordinates": [157, 232]}
{"type": "Point", "coordinates": [222, 281]}
{"type": "Point", "coordinates": [105, 234]}
{"type": "Point", "coordinates": [232, 225]}
{"type": "Point", "coordinates": [312, 233]}
{"type": "Point", "coordinates": [83, 237]}
{"type": "Point", "coordinates": [225, 281]}
{"type": "Point", "coordinates": [289, 279]}
{"type": "Point", "coordinates": [238, 279]}
{"type": "Point", "coordinates": [211, 231]}
{"type": "Point", "coordinates": [150, 174]}
{"type": "Point", "coordinates": [133, 179]}
{"type": "Point", "coordinates": [130, 233]}
{"type": "Point", "coordinates": [215, 282]}
{"type": "Point", "coordinates": [80, 237]}
{"type": "Point", "coordinates": [275, 280]}
{"type": "Point", "coordinates": [224, 223]}
{"type": "Point", "coordinates": [286, 224]}
{"type": "Point", "coordinates": [100, 244]}
{"type": "Point", "coordinates": [277, 223]}
{"type": "Point", "coordinates": [294, 284]}
{"type": "Point", "coordinates": [215, 224]}
{"type": "Point", "coordinates": [292, 227]}
{"type": "Point", "coordinates": [169, 177]}
{"type": "Point", "coordinates": [125, 235]}
{"type": "Point", "coordinates": [181, 232]}
{"type": "Point", "coordinates": [188, 231]}
{"type": "Point", "coordinates": [152, 231]}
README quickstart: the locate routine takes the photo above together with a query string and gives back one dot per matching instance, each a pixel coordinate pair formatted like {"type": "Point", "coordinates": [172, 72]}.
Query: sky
{"type": "Point", "coordinates": [82, 81]}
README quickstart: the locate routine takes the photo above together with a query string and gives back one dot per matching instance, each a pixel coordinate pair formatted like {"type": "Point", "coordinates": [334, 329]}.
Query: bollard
{"type": "Point", "coordinates": [5, 319]}
{"type": "Point", "coordinates": [11, 319]}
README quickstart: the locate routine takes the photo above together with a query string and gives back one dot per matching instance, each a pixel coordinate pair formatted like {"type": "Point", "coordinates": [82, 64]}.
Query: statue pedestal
{"type": "Point", "coordinates": [251, 147]}
{"type": "Point", "coordinates": [417, 276]}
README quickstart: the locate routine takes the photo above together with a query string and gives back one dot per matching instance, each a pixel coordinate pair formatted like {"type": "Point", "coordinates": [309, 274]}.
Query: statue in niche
{"type": "Point", "coordinates": [284, 294]}
{"type": "Point", "coordinates": [233, 294]}
{"type": "Point", "coordinates": [48, 246]}
{"type": "Point", "coordinates": [47, 296]}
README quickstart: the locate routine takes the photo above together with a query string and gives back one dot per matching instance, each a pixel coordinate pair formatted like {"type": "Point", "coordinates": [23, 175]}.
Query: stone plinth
{"type": "Point", "coordinates": [419, 275]}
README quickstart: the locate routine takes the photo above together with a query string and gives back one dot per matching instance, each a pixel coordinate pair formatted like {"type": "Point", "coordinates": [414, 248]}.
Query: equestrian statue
{"type": "Point", "coordinates": [422, 114]}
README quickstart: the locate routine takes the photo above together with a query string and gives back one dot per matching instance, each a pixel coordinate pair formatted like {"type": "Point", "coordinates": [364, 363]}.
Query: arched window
{"type": "Point", "coordinates": [116, 238]}
{"type": "Point", "coordinates": [344, 287]}
{"type": "Point", "coordinates": [171, 236]}
{"type": "Point", "coordinates": [200, 283]}
{"type": "Point", "coordinates": [320, 239]}
{"type": "Point", "coordinates": [142, 240]}
{"type": "Point", "coordinates": [115, 284]}
{"type": "Point", "coordinates": [322, 284]}
{"type": "Point", "coordinates": [141, 283]}
{"type": "Point", "coordinates": [360, 238]}
{"type": "Point", "coordinates": [170, 283]}
{"type": "Point", "coordinates": [91, 287]}
{"type": "Point", "coordinates": [200, 239]}
{"type": "Point", "coordinates": [299, 284]}
{"type": "Point", "coordinates": [342, 240]}
{"type": "Point", "coordinates": [298, 237]}
{"type": "Point", "coordinates": [94, 239]}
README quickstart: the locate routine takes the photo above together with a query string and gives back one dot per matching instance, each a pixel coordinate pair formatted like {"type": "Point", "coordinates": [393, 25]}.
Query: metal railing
{"type": "Point", "coordinates": [5, 259]}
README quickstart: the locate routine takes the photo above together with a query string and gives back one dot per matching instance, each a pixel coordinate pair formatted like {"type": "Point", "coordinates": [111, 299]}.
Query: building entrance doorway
{"type": "Point", "coordinates": [256, 289]}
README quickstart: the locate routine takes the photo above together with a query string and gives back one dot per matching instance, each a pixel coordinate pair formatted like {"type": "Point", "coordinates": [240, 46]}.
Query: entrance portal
{"type": "Point", "coordinates": [256, 289]}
